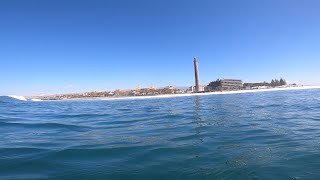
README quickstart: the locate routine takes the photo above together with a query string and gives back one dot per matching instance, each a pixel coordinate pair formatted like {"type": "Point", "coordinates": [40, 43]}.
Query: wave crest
{"type": "Point", "coordinates": [21, 98]}
{"type": "Point", "coordinates": [10, 98]}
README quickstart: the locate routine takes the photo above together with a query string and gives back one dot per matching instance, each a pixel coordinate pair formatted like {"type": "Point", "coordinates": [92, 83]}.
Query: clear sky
{"type": "Point", "coordinates": [58, 46]}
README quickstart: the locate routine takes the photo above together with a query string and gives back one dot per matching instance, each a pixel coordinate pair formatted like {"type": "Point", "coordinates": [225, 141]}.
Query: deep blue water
{"type": "Point", "coordinates": [267, 135]}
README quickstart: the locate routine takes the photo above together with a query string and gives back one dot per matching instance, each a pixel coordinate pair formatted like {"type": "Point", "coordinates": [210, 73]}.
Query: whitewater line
{"type": "Point", "coordinates": [200, 94]}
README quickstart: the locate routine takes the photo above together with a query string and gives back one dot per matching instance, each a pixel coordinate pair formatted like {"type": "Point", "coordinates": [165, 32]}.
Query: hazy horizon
{"type": "Point", "coordinates": [52, 47]}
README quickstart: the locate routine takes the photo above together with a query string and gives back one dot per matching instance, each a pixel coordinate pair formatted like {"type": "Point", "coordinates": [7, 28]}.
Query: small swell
{"type": "Point", "coordinates": [42, 125]}
{"type": "Point", "coordinates": [96, 153]}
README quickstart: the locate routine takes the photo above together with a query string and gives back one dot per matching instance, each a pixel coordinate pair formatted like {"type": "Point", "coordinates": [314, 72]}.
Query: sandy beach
{"type": "Point", "coordinates": [202, 94]}
{"type": "Point", "coordinates": [182, 95]}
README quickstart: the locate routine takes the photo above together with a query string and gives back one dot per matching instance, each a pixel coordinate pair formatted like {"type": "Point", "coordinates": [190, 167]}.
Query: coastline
{"type": "Point", "coordinates": [191, 94]}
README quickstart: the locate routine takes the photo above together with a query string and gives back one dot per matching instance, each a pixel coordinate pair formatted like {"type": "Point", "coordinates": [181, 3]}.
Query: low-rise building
{"type": "Point", "coordinates": [231, 84]}
{"type": "Point", "coordinates": [193, 89]}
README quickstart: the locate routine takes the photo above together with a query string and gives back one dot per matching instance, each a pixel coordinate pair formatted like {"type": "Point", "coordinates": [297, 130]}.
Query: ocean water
{"type": "Point", "coordinates": [266, 135]}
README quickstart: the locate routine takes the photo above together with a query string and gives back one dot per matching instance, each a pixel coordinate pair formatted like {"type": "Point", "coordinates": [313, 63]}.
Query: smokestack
{"type": "Point", "coordinates": [196, 73]}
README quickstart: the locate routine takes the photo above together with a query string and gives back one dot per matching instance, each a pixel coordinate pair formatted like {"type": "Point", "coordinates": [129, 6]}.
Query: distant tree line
{"type": "Point", "coordinates": [277, 82]}
{"type": "Point", "coordinates": [214, 85]}
{"type": "Point", "coordinates": [273, 83]}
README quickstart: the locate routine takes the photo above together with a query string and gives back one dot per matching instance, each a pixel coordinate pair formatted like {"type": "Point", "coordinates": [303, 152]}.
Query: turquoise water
{"type": "Point", "coordinates": [267, 135]}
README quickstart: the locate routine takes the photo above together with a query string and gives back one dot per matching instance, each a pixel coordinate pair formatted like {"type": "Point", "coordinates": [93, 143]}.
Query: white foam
{"type": "Point", "coordinates": [36, 100]}
{"type": "Point", "coordinates": [21, 98]}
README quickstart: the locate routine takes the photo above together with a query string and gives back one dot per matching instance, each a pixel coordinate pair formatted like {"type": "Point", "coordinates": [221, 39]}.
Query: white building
{"type": "Point", "coordinates": [193, 88]}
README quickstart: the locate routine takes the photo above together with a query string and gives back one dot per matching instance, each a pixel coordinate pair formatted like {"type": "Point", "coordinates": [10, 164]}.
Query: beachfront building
{"type": "Point", "coordinates": [231, 84]}
{"type": "Point", "coordinates": [194, 89]}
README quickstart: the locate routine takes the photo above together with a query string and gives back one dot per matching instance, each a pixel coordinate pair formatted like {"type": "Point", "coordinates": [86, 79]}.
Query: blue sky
{"type": "Point", "coordinates": [55, 46]}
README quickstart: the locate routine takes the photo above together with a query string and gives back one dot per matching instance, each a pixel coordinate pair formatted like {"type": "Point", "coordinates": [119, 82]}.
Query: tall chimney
{"type": "Point", "coordinates": [196, 73]}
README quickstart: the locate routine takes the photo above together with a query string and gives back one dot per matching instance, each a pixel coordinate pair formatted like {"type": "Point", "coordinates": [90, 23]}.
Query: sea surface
{"type": "Point", "coordinates": [261, 135]}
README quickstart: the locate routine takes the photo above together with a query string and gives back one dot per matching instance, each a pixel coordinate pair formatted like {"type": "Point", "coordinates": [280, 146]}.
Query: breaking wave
{"type": "Point", "coordinates": [12, 98]}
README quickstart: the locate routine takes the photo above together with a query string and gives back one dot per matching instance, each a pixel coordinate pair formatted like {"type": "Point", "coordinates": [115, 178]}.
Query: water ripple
{"type": "Point", "coordinates": [270, 135]}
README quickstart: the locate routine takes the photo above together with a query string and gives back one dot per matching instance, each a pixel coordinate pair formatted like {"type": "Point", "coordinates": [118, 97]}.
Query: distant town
{"type": "Point", "coordinates": [218, 85]}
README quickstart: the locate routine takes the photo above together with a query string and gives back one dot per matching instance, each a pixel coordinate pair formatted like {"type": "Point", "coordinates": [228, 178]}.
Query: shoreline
{"type": "Point", "coordinates": [186, 95]}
